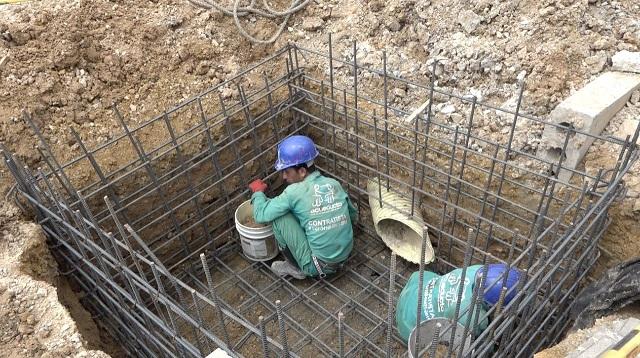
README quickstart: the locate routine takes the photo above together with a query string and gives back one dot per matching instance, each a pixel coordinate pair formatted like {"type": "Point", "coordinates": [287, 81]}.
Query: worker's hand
{"type": "Point", "coordinates": [258, 185]}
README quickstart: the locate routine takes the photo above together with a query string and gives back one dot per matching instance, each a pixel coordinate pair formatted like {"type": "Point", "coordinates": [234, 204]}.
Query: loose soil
{"type": "Point", "coordinates": [251, 222]}
{"type": "Point", "coordinates": [41, 315]}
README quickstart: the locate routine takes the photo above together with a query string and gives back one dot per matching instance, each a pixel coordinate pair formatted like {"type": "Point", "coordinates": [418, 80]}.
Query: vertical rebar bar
{"type": "Point", "coordinates": [346, 137]}
{"type": "Point", "coordinates": [485, 190]}
{"type": "Point", "coordinates": [56, 167]}
{"type": "Point", "coordinates": [461, 286]}
{"type": "Point", "coordinates": [334, 132]}
{"type": "Point", "coordinates": [122, 232]}
{"type": "Point", "coordinates": [392, 277]}
{"type": "Point", "coordinates": [199, 321]}
{"type": "Point", "coordinates": [621, 158]}
{"type": "Point", "coordinates": [58, 202]}
{"type": "Point", "coordinates": [467, 138]}
{"type": "Point", "coordinates": [578, 207]}
{"type": "Point", "coordinates": [272, 112]}
{"type": "Point", "coordinates": [563, 153]}
{"type": "Point", "coordinates": [283, 332]}
{"type": "Point", "coordinates": [144, 160]}
{"type": "Point", "coordinates": [423, 250]}
{"type": "Point", "coordinates": [414, 158]}
{"type": "Point", "coordinates": [427, 125]}
{"type": "Point", "coordinates": [295, 57]}
{"type": "Point", "coordinates": [498, 308]}
{"type": "Point", "coordinates": [231, 135]}
{"type": "Point", "coordinates": [435, 341]}
{"type": "Point", "coordinates": [333, 103]}
{"type": "Point", "coordinates": [445, 199]}
{"type": "Point", "coordinates": [507, 156]}
{"type": "Point", "coordinates": [340, 334]}
{"type": "Point", "coordinates": [84, 207]}
{"type": "Point", "coordinates": [378, 172]}
{"type": "Point", "coordinates": [481, 291]}
{"type": "Point", "coordinates": [189, 177]}
{"type": "Point", "coordinates": [263, 337]}
{"type": "Point", "coordinates": [172, 321]}
{"type": "Point", "coordinates": [21, 182]}
{"type": "Point", "coordinates": [386, 145]}
{"type": "Point", "coordinates": [323, 115]}
{"type": "Point", "coordinates": [539, 216]}
{"type": "Point", "coordinates": [476, 302]}
{"type": "Point", "coordinates": [632, 144]}
{"type": "Point", "coordinates": [357, 120]}
{"type": "Point", "coordinates": [98, 170]}
{"type": "Point", "coordinates": [513, 245]}
{"type": "Point", "coordinates": [331, 66]}
{"type": "Point", "coordinates": [596, 181]}
{"type": "Point", "coordinates": [145, 248]}
{"type": "Point", "coordinates": [386, 114]}
{"type": "Point", "coordinates": [251, 123]}
{"type": "Point", "coordinates": [506, 336]}
{"type": "Point", "coordinates": [214, 153]}
{"type": "Point", "coordinates": [214, 298]}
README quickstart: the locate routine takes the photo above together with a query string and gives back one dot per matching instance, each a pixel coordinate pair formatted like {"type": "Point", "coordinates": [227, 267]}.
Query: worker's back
{"type": "Point", "coordinates": [440, 299]}
{"type": "Point", "coordinates": [324, 211]}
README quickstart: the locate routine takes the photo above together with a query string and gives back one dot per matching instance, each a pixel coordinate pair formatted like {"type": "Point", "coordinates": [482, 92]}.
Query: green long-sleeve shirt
{"type": "Point", "coordinates": [440, 298]}
{"type": "Point", "coordinates": [322, 208]}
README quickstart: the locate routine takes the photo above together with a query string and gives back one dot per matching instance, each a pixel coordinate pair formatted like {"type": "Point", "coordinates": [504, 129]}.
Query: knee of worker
{"type": "Point", "coordinates": [286, 226]}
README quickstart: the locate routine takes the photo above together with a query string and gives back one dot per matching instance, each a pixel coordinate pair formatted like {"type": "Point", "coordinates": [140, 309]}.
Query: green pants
{"type": "Point", "coordinates": [291, 237]}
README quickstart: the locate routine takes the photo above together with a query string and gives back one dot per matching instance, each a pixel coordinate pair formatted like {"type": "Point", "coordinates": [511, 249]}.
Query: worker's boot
{"type": "Point", "coordinates": [284, 268]}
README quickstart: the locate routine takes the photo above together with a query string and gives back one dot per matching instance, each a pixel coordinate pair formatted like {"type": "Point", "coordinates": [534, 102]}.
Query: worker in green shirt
{"type": "Point", "coordinates": [440, 296]}
{"type": "Point", "coordinates": [312, 219]}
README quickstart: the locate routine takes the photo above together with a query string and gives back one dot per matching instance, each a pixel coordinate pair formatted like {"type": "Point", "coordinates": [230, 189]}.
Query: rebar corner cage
{"type": "Point", "coordinates": [152, 242]}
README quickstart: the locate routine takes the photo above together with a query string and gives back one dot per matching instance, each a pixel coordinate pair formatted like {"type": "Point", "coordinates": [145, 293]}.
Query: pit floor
{"type": "Point", "coordinates": [310, 306]}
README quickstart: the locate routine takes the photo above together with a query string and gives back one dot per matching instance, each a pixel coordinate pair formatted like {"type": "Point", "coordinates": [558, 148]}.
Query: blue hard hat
{"type": "Point", "coordinates": [494, 282]}
{"type": "Point", "coordinates": [295, 150]}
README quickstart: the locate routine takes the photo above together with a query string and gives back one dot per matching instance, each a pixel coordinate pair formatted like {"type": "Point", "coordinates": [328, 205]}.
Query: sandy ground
{"type": "Point", "coordinates": [67, 63]}
{"type": "Point", "coordinates": [41, 316]}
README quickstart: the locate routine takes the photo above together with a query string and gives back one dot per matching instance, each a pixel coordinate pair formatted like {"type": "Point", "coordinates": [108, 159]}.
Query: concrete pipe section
{"type": "Point", "coordinates": [392, 221]}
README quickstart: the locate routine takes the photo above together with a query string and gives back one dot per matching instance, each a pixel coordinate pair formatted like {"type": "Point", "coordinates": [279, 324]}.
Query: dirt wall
{"type": "Point", "coordinates": [39, 310]}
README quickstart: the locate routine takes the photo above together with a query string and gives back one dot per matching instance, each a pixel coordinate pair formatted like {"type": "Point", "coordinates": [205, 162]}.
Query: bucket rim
{"type": "Point", "coordinates": [244, 227]}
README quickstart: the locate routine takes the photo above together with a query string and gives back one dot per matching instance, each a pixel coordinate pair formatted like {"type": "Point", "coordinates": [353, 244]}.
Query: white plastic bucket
{"type": "Point", "coordinates": [258, 243]}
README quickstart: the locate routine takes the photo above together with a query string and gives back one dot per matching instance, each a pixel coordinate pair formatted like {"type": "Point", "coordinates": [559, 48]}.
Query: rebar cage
{"type": "Point", "coordinates": [152, 242]}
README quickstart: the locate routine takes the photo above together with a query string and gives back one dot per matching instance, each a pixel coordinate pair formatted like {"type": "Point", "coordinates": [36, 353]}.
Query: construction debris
{"type": "Point", "coordinates": [604, 338]}
{"type": "Point", "coordinates": [593, 341]}
{"type": "Point", "coordinates": [626, 61]}
{"type": "Point", "coordinates": [576, 121]}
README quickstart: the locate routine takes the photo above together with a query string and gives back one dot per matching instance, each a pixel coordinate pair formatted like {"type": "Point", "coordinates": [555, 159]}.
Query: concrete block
{"type": "Point", "coordinates": [603, 337]}
{"type": "Point", "coordinates": [626, 61]}
{"type": "Point", "coordinates": [588, 110]}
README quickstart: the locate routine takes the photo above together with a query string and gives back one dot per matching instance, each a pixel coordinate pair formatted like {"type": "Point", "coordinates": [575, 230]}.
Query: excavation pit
{"type": "Point", "coordinates": [152, 243]}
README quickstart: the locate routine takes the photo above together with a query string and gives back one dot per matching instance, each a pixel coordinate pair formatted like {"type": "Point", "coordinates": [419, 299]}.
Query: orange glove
{"type": "Point", "coordinates": [258, 185]}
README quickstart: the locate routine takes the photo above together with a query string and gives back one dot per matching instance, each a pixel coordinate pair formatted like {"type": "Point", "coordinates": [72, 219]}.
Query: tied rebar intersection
{"type": "Point", "coordinates": [151, 241]}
